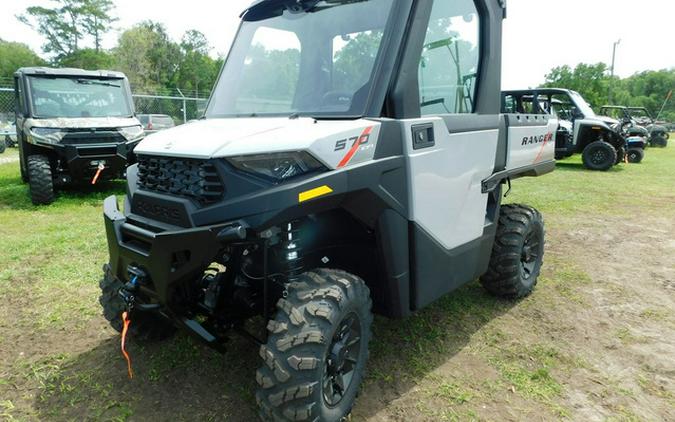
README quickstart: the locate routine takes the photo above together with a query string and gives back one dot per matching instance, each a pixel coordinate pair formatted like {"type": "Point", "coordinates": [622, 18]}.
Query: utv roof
{"type": "Point", "coordinates": [68, 71]}
{"type": "Point", "coordinates": [617, 107]}
{"type": "Point", "coordinates": [538, 90]}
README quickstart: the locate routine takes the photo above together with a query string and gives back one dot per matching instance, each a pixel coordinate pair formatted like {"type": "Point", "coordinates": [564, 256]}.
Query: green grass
{"type": "Point", "coordinates": [51, 261]}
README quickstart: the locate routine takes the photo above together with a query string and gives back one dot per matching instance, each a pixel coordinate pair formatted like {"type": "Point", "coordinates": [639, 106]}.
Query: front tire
{"type": "Point", "coordinates": [517, 253]}
{"type": "Point", "coordinates": [635, 155]}
{"type": "Point", "coordinates": [317, 349]}
{"type": "Point", "coordinates": [599, 155]}
{"type": "Point", "coordinates": [40, 180]}
{"type": "Point", "coordinates": [3, 146]}
{"type": "Point", "coordinates": [145, 326]}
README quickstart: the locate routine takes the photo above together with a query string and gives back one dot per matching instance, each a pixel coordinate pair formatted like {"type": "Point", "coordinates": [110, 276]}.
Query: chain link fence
{"type": "Point", "coordinates": [181, 108]}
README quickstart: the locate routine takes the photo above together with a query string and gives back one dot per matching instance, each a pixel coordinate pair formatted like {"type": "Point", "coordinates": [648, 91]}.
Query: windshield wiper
{"type": "Point", "coordinates": [92, 82]}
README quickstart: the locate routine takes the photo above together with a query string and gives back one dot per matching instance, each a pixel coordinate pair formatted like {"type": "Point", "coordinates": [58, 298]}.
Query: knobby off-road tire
{"type": "Point", "coordinates": [3, 146]}
{"type": "Point", "coordinates": [599, 155]}
{"type": "Point", "coordinates": [659, 141]}
{"type": "Point", "coordinates": [145, 326]}
{"type": "Point", "coordinates": [517, 253]}
{"type": "Point", "coordinates": [40, 180]}
{"type": "Point", "coordinates": [635, 155]}
{"type": "Point", "coordinates": [317, 342]}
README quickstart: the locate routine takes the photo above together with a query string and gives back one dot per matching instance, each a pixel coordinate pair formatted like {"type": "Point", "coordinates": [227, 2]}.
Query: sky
{"type": "Point", "coordinates": [538, 34]}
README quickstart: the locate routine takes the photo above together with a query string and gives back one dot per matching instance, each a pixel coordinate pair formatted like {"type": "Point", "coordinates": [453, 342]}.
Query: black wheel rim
{"type": "Point", "coordinates": [530, 254]}
{"type": "Point", "coordinates": [599, 157]}
{"type": "Point", "coordinates": [341, 362]}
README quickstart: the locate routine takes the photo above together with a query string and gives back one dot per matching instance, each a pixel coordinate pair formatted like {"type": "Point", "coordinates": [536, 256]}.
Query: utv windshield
{"type": "Point", "coordinates": [313, 58]}
{"type": "Point", "coordinates": [582, 105]}
{"type": "Point", "coordinates": [53, 97]}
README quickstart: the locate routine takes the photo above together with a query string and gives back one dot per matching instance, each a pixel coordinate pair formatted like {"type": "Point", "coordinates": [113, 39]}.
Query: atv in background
{"type": "Point", "coordinates": [658, 131]}
{"type": "Point", "coordinates": [579, 131]}
{"type": "Point", "coordinates": [366, 179]}
{"type": "Point", "coordinates": [73, 126]}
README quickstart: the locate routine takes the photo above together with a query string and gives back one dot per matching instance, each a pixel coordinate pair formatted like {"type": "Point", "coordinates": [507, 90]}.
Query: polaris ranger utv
{"type": "Point", "coordinates": [658, 132]}
{"type": "Point", "coordinates": [580, 131]}
{"type": "Point", "coordinates": [351, 161]}
{"type": "Point", "coordinates": [72, 125]}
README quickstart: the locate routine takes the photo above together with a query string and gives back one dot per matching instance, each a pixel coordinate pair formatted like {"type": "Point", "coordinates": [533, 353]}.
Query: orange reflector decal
{"type": "Point", "coordinates": [314, 193]}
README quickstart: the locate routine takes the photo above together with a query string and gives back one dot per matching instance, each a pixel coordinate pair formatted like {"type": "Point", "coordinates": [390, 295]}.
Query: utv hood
{"type": "Point", "coordinates": [227, 137]}
{"type": "Point", "coordinates": [608, 120]}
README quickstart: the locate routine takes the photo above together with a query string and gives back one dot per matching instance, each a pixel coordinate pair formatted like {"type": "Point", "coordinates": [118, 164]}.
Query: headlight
{"type": "Point", "coordinates": [132, 133]}
{"type": "Point", "coordinates": [46, 135]}
{"type": "Point", "coordinates": [277, 167]}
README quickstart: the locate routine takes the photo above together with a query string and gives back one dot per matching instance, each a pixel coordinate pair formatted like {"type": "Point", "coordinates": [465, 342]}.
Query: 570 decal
{"type": "Point", "coordinates": [356, 142]}
{"type": "Point", "coordinates": [353, 141]}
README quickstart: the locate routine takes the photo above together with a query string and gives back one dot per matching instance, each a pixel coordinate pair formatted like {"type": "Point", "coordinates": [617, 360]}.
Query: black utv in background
{"type": "Point", "coordinates": [658, 132]}
{"type": "Point", "coordinates": [580, 130]}
{"type": "Point", "coordinates": [73, 126]}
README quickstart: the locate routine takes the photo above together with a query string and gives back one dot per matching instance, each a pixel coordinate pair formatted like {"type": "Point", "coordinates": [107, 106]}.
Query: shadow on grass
{"type": "Point", "coordinates": [575, 166]}
{"type": "Point", "coordinates": [183, 380]}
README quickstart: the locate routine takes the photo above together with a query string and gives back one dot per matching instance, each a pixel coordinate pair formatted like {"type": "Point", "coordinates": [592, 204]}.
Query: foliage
{"type": "Point", "coordinates": [65, 24]}
{"type": "Point", "coordinates": [88, 58]}
{"type": "Point", "coordinates": [59, 25]}
{"type": "Point", "coordinates": [97, 19]}
{"type": "Point", "coordinates": [14, 55]}
{"type": "Point", "coordinates": [646, 89]}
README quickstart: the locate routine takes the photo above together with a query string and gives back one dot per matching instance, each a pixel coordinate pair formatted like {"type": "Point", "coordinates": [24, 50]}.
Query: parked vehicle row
{"type": "Point", "coordinates": [602, 140]}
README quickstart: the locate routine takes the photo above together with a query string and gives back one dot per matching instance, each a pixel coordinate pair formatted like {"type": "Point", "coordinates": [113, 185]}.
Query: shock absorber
{"type": "Point", "coordinates": [290, 249]}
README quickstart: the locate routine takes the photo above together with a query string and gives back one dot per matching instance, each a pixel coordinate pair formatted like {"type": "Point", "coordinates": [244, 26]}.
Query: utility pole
{"type": "Point", "coordinates": [611, 72]}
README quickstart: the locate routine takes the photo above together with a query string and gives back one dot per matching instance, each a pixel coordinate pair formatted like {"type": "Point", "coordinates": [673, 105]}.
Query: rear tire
{"type": "Point", "coordinates": [40, 180]}
{"type": "Point", "coordinates": [3, 146]}
{"type": "Point", "coordinates": [599, 155]}
{"type": "Point", "coordinates": [635, 155]}
{"type": "Point", "coordinates": [317, 342]}
{"type": "Point", "coordinates": [517, 253]}
{"type": "Point", "coordinates": [659, 141]}
{"type": "Point", "coordinates": [145, 326]}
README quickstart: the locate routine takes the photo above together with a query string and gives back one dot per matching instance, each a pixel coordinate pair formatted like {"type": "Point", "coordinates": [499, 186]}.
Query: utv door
{"type": "Point", "coordinates": [450, 150]}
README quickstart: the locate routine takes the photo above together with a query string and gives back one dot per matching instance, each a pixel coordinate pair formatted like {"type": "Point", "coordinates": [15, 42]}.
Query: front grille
{"type": "Point", "coordinates": [195, 179]}
{"type": "Point", "coordinates": [93, 136]}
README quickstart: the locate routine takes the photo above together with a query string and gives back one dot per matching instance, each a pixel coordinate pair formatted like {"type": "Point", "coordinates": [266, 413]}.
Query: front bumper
{"type": "Point", "coordinates": [169, 257]}
{"type": "Point", "coordinates": [82, 159]}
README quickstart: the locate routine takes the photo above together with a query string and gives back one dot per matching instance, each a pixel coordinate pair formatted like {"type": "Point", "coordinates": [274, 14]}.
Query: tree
{"type": "Point", "coordinates": [97, 19]}
{"type": "Point", "coordinates": [14, 55]}
{"type": "Point", "coordinates": [645, 89]}
{"type": "Point", "coordinates": [147, 55]}
{"type": "Point", "coordinates": [197, 70]}
{"type": "Point", "coordinates": [590, 80]}
{"type": "Point", "coordinates": [65, 23]}
{"type": "Point", "coordinates": [88, 58]}
{"type": "Point", "coordinates": [59, 25]}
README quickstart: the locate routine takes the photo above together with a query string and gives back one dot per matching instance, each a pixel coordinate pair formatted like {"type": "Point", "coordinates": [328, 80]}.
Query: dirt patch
{"type": "Point", "coordinates": [7, 160]}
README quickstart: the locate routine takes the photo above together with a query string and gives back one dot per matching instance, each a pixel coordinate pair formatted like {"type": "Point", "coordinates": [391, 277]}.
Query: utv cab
{"type": "Point", "coordinates": [580, 131]}
{"type": "Point", "coordinates": [73, 126]}
{"type": "Point", "coordinates": [351, 161]}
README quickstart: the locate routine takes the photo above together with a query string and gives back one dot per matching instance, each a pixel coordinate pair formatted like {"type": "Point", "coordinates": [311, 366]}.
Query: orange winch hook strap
{"type": "Point", "coordinates": [125, 329]}
{"type": "Point", "coordinates": [99, 170]}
